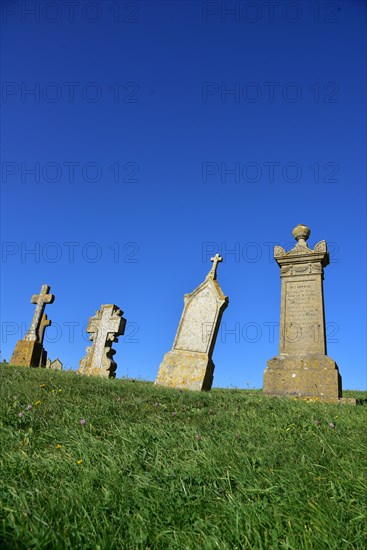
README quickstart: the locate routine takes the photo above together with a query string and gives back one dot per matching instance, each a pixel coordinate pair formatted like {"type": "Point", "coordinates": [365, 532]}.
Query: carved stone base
{"type": "Point", "coordinates": [107, 368]}
{"type": "Point", "coordinates": [303, 376]}
{"type": "Point", "coordinates": [27, 353]}
{"type": "Point", "coordinates": [186, 370]}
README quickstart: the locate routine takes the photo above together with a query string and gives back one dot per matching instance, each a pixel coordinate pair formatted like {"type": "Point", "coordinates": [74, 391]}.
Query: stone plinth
{"type": "Point", "coordinates": [189, 364]}
{"type": "Point", "coordinates": [302, 367]}
{"type": "Point", "coordinates": [310, 375]}
{"type": "Point", "coordinates": [27, 354]}
{"type": "Point", "coordinates": [104, 329]}
{"type": "Point", "coordinates": [30, 352]}
{"type": "Point", "coordinates": [185, 369]}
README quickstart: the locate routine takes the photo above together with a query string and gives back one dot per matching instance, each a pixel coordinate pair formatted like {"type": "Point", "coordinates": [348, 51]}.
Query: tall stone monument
{"type": "Point", "coordinates": [29, 352]}
{"type": "Point", "coordinates": [104, 329]}
{"type": "Point", "coordinates": [189, 364]}
{"type": "Point", "coordinates": [302, 367]}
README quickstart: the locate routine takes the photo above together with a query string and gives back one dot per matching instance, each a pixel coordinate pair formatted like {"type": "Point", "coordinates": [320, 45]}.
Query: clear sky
{"type": "Point", "coordinates": [139, 138]}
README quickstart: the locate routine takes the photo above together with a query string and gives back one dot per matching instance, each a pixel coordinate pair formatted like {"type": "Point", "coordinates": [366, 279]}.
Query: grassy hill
{"type": "Point", "coordinates": [93, 463]}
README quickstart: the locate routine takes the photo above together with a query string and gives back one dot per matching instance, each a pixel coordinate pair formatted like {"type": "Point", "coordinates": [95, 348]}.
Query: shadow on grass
{"type": "Point", "coordinates": [362, 401]}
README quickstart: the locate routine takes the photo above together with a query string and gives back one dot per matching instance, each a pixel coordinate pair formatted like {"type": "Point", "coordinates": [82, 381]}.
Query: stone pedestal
{"type": "Point", "coordinates": [310, 375]}
{"type": "Point", "coordinates": [189, 364]}
{"type": "Point", "coordinates": [302, 367]}
{"type": "Point", "coordinates": [186, 369]}
{"type": "Point", "coordinates": [27, 353]}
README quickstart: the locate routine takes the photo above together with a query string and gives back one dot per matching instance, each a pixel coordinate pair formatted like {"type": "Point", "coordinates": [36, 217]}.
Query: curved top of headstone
{"type": "Point", "coordinates": [301, 233]}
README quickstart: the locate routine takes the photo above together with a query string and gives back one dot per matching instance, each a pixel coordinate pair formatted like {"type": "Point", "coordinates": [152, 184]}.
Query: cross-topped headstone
{"type": "Point", "coordinates": [29, 352]}
{"type": "Point", "coordinates": [189, 364]}
{"type": "Point", "coordinates": [40, 300]}
{"type": "Point", "coordinates": [104, 329]}
{"type": "Point", "coordinates": [213, 272]}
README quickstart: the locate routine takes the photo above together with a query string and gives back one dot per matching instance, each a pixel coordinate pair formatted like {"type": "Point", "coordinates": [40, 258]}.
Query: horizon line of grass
{"type": "Point", "coordinates": [140, 379]}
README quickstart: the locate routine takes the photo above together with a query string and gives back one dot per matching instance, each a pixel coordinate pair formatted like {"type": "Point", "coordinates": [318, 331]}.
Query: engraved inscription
{"type": "Point", "coordinates": [303, 329]}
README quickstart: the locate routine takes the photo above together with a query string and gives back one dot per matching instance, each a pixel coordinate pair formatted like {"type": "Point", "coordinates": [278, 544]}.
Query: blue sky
{"type": "Point", "coordinates": [138, 138]}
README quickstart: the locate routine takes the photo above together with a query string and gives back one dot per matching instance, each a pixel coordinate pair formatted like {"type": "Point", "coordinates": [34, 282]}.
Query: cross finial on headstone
{"type": "Point", "coordinates": [213, 272]}
{"type": "Point", "coordinates": [40, 300]}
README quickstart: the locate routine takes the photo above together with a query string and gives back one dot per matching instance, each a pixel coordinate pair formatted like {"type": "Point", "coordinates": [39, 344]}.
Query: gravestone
{"type": "Point", "coordinates": [189, 364]}
{"type": "Point", "coordinates": [54, 365]}
{"type": "Point", "coordinates": [104, 329]}
{"type": "Point", "coordinates": [29, 352]}
{"type": "Point", "coordinates": [302, 367]}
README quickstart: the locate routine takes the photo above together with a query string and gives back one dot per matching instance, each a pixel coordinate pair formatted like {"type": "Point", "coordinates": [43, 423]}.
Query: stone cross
{"type": "Point", "coordinates": [104, 328]}
{"type": "Point", "coordinates": [213, 272]}
{"type": "Point", "coordinates": [302, 367]}
{"type": "Point", "coordinates": [189, 364]}
{"type": "Point", "coordinates": [40, 300]}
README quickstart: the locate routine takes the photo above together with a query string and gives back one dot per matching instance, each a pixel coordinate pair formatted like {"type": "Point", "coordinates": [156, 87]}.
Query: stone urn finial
{"type": "Point", "coordinates": [301, 233]}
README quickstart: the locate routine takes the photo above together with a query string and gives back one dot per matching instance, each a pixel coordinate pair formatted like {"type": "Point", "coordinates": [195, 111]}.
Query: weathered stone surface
{"type": "Point", "coordinates": [104, 329]}
{"type": "Point", "coordinates": [302, 367]}
{"type": "Point", "coordinates": [40, 300]}
{"type": "Point", "coordinates": [30, 352]}
{"type": "Point", "coordinates": [189, 364]}
{"type": "Point", "coordinates": [54, 365]}
{"type": "Point", "coordinates": [310, 375]}
{"type": "Point", "coordinates": [185, 369]}
{"type": "Point", "coordinates": [26, 354]}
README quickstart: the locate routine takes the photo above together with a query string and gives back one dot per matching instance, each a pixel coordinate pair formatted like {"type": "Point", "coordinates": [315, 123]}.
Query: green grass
{"type": "Point", "coordinates": [159, 468]}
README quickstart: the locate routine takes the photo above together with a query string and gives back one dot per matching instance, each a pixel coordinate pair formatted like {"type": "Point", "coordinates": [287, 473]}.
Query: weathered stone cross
{"type": "Point", "coordinates": [213, 272]}
{"type": "Point", "coordinates": [104, 329]}
{"type": "Point", "coordinates": [40, 300]}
